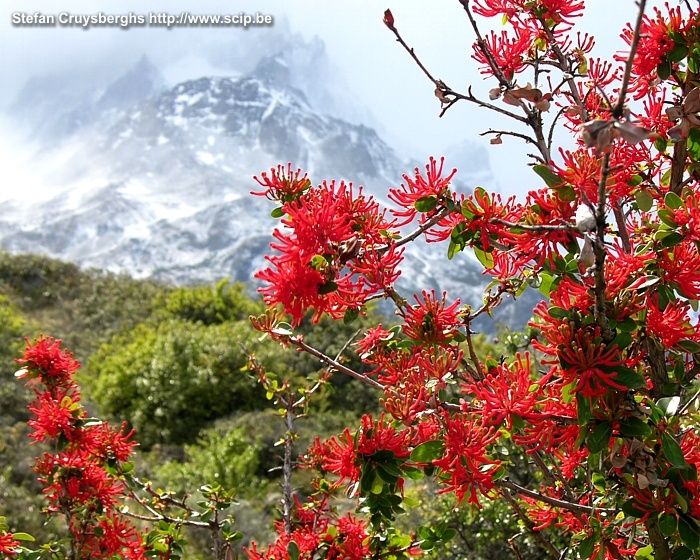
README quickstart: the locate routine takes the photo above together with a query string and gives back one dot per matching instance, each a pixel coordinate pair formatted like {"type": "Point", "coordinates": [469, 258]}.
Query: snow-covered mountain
{"type": "Point", "coordinates": [156, 181]}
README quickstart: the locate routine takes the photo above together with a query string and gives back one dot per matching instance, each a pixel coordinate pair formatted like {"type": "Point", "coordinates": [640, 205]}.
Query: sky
{"type": "Point", "coordinates": [378, 72]}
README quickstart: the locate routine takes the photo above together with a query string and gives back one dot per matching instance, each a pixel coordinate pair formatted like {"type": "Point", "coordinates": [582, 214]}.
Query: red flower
{"type": "Point", "coordinates": [8, 544]}
{"type": "Point", "coordinates": [55, 414]}
{"type": "Point", "coordinates": [432, 185]}
{"type": "Point", "coordinates": [671, 324]}
{"type": "Point", "coordinates": [430, 321]}
{"type": "Point", "coordinates": [45, 362]}
{"type": "Point", "coordinates": [466, 468]}
{"type": "Point", "coordinates": [511, 54]}
{"type": "Point", "coordinates": [283, 186]}
{"type": "Point", "coordinates": [654, 44]}
{"type": "Point", "coordinates": [335, 254]}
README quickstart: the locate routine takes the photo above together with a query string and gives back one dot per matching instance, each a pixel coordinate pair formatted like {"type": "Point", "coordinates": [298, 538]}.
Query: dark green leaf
{"type": "Point", "coordinates": [664, 69]}
{"type": "Point", "coordinates": [558, 313]}
{"type": "Point", "coordinates": [629, 378]}
{"type": "Point", "coordinates": [327, 288]}
{"type": "Point", "coordinates": [667, 217]}
{"type": "Point", "coordinates": [583, 409]}
{"type": "Point", "coordinates": [277, 212]}
{"type": "Point", "coordinates": [351, 313]}
{"type": "Point", "coordinates": [426, 203]}
{"type": "Point", "coordinates": [689, 532]}
{"type": "Point", "coordinates": [661, 144]}
{"type": "Point", "coordinates": [599, 438]}
{"type": "Point", "coordinates": [551, 179]}
{"type": "Point", "coordinates": [672, 451]}
{"type": "Point", "coordinates": [586, 547]}
{"type": "Point", "coordinates": [678, 53]}
{"type": "Point", "coordinates": [682, 553]}
{"type": "Point", "coordinates": [428, 451]}
{"type": "Point", "coordinates": [667, 524]}
{"type": "Point", "coordinates": [518, 422]}
{"type": "Point", "coordinates": [632, 509]}
{"type": "Point", "coordinates": [623, 340]}
{"type": "Point", "coordinates": [634, 427]}
{"type": "Point", "coordinates": [689, 346]}
{"type": "Point", "coordinates": [293, 550]}
{"type": "Point", "coordinates": [448, 534]}
{"type": "Point", "coordinates": [671, 240]}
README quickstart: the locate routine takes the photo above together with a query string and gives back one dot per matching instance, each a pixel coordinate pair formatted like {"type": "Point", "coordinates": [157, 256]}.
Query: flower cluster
{"type": "Point", "coordinates": [82, 474]}
{"type": "Point", "coordinates": [317, 529]}
{"type": "Point", "coordinates": [335, 251]}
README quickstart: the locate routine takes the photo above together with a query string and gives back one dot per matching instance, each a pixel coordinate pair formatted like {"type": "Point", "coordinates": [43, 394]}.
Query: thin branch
{"type": "Point", "coordinates": [536, 229]}
{"type": "Point", "coordinates": [509, 133]}
{"type": "Point", "coordinates": [599, 252]}
{"type": "Point", "coordinates": [423, 227]}
{"type": "Point", "coordinates": [617, 111]}
{"type": "Point", "coordinates": [565, 67]}
{"type": "Point", "coordinates": [553, 501]}
{"type": "Point", "coordinates": [530, 525]}
{"type": "Point", "coordinates": [299, 343]}
{"type": "Point", "coordinates": [495, 68]}
{"type": "Point", "coordinates": [411, 52]}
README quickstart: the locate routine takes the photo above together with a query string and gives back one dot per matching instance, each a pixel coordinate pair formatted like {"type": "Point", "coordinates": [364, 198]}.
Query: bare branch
{"type": "Point", "coordinates": [617, 111]}
{"type": "Point", "coordinates": [509, 133]}
{"type": "Point", "coordinates": [553, 501]}
{"type": "Point", "coordinates": [299, 343]}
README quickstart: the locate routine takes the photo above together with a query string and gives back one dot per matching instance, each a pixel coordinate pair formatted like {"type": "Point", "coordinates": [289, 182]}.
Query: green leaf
{"type": "Point", "coordinates": [449, 534]}
{"type": "Point", "coordinates": [351, 313]}
{"type": "Point", "coordinates": [671, 240]}
{"type": "Point", "coordinates": [484, 258]}
{"type": "Point", "coordinates": [689, 532]}
{"type": "Point", "coordinates": [693, 145]}
{"type": "Point", "coordinates": [667, 524]}
{"type": "Point", "coordinates": [634, 427]}
{"type": "Point", "coordinates": [677, 53]}
{"type": "Point", "coordinates": [682, 553]}
{"type": "Point", "coordinates": [672, 200]}
{"type": "Point", "coordinates": [599, 438]}
{"type": "Point", "coordinates": [25, 537]}
{"type": "Point", "coordinates": [631, 509]}
{"type": "Point", "coordinates": [669, 405]}
{"type": "Point", "coordinates": [661, 144]}
{"type": "Point", "coordinates": [277, 212]}
{"type": "Point", "coordinates": [293, 550]}
{"type": "Point", "coordinates": [664, 69]}
{"type": "Point", "coordinates": [622, 340]}
{"type": "Point", "coordinates": [583, 409]}
{"type": "Point", "coordinates": [629, 378]}
{"type": "Point", "coordinates": [558, 313]}
{"type": "Point", "coordinates": [428, 451]}
{"type": "Point", "coordinates": [672, 451]}
{"type": "Point", "coordinates": [694, 63]}
{"type": "Point", "coordinates": [546, 281]}
{"type": "Point", "coordinates": [689, 346]}
{"type": "Point", "coordinates": [645, 553]}
{"type": "Point", "coordinates": [644, 200]}
{"type": "Point", "coordinates": [550, 178]}
{"type": "Point", "coordinates": [586, 547]}
{"type": "Point", "coordinates": [327, 288]}
{"type": "Point", "coordinates": [426, 203]}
